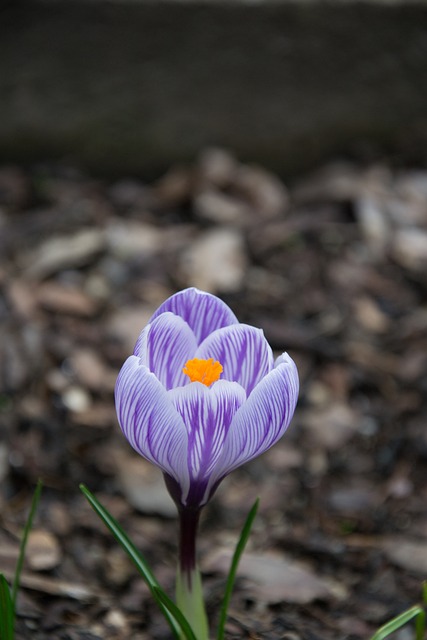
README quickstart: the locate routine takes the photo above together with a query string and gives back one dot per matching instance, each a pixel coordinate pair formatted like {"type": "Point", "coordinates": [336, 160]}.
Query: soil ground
{"type": "Point", "coordinates": [333, 268]}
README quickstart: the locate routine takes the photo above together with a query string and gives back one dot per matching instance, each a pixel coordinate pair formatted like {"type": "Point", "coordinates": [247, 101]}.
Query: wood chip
{"type": "Point", "coordinates": [370, 316]}
{"type": "Point", "coordinates": [331, 426]}
{"type": "Point", "coordinates": [91, 371]}
{"type": "Point", "coordinates": [220, 207]}
{"type": "Point", "coordinates": [216, 261]}
{"type": "Point", "coordinates": [273, 578]}
{"type": "Point", "coordinates": [76, 399]}
{"type": "Point", "coordinates": [54, 587]}
{"type": "Point", "coordinates": [66, 252]}
{"type": "Point", "coordinates": [43, 551]}
{"type": "Point", "coordinates": [264, 191]}
{"type": "Point", "coordinates": [128, 239]}
{"type": "Point", "coordinates": [67, 300]}
{"type": "Point", "coordinates": [408, 554]}
{"type": "Point", "coordinates": [143, 485]}
{"type": "Point", "coordinates": [410, 249]}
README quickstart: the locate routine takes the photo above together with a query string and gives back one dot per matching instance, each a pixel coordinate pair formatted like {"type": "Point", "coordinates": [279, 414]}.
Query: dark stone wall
{"type": "Point", "coordinates": [134, 86]}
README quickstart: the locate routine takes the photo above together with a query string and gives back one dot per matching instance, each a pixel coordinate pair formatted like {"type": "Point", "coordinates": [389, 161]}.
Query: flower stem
{"type": "Point", "coordinates": [189, 594]}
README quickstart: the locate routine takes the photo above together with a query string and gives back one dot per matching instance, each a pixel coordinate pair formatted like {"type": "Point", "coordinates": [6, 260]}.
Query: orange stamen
{"type": "Point", "coordinates": [205, 371]}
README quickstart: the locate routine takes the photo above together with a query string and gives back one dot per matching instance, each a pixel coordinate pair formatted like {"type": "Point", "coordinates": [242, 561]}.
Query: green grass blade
{"type": "Point", "coordinates": [7, 612]}
{"type": "Point", "coordinates": [176, 613]}
{"type": "Point", "coordinates": [398, 622]}
{"type": "Point", "coordinates": [133, 553]}
{"type": "Point", "coordinates": [420, 626]}
{"type": "Point", "coordinates": [240, 547]}
{"type": "Point", "coordinates": [24, 540]}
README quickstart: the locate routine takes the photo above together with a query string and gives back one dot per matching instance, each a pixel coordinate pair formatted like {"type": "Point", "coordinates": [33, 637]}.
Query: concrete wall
{"type": "Point", "coordinates": [134, 86]}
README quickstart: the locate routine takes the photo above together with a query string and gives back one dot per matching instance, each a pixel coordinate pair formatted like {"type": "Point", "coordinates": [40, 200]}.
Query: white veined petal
{"type": "Point", "coordinates": [164, 347]}
{"type": "Point", "coordinates": [203, 312]}
{"type": "Point", "coordinates": [207, 414]}
{"type": "Point", "coordinates": [243, 352]}
{"type": "Point", "coordinates": [150, 422]}
{"type": "Point", "coordinates": [262, 419]}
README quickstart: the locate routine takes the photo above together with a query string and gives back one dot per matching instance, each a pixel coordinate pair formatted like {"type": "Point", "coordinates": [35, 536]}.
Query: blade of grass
{"type": "Point", "coordinates": [398, 622]}
{"type": "Point", "coordinates": [240, 547]}
{"type": "Point", "coordinates": [420, 623]}
{"type": "Point", "coordinates": [24, 540]}
{"type": "Point", "coordinates": [177, 614]}
{"type": "Point", "coordinates": [133, 553]}
{"type": "Point", "coordinates": [6, 611]}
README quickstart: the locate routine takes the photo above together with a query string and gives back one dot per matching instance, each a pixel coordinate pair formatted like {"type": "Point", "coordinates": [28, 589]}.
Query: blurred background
{"type": "Point", "coordinates": [133, 86]}
{"type": "Point", "coordinates": [273, 153]}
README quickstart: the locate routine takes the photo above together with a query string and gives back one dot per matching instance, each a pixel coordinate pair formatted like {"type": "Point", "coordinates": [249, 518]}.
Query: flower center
{"type": "Point", "coordinates": [205, 371]}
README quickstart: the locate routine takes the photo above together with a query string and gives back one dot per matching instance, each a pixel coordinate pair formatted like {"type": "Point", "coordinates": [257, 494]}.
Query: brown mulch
{"type": "Point", "coordinates": [333, 268]}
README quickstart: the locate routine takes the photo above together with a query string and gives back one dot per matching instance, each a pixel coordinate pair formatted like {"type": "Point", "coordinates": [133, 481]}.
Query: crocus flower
{"type": "Point", "coordinates": [200, 396]}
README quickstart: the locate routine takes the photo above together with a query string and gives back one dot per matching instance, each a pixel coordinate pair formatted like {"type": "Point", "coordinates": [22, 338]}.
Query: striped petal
{"type": "Point", "coordinates": [207, 414]}
{"type": "Point", "coordinates": [150, 422]}
{"type": "Point", "coordinates": [243, 352]}
{"type": "Point", "coordinates": [262, 419]}
{"type": "Point", "coordinates": [164, 347]}
{"type": "Point", "coordinates": [203, 312]}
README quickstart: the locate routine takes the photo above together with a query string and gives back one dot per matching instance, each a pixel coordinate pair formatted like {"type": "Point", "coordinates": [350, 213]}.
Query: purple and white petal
{"type": "Point", "coordinates": [262, 419]}
{"type": "Point", "coordinates": [207, 414]}
{"type": "Point", "coordinates": [150, 422]}
{"type": "Point", "coordinates": [203, 312]}
{"type": "Point", "coordinates": [164, 346]}
{"type": "Point", "coordinates": [243, 351]}
{"type": "Point", "coordinates": [194, 433]}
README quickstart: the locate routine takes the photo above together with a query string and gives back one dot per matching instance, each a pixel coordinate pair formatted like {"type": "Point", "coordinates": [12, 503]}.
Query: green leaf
{"type": "Point", "coordinates": [190, 601]}
{"type": "Point", "coordinates": [399, 621]}
{"type": "Point", "coordinates": [133, 553]}
{"type": "Point", "coordinates": [177, 614]}
{"type": "Point", "coordinates": [27, 529]}
{"type": "Point", "coordinates": [420, 623]}
{"type": "Point", "coordinates": [6, 611]}
{"type": "Point", "coordinates": [240, 547]}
